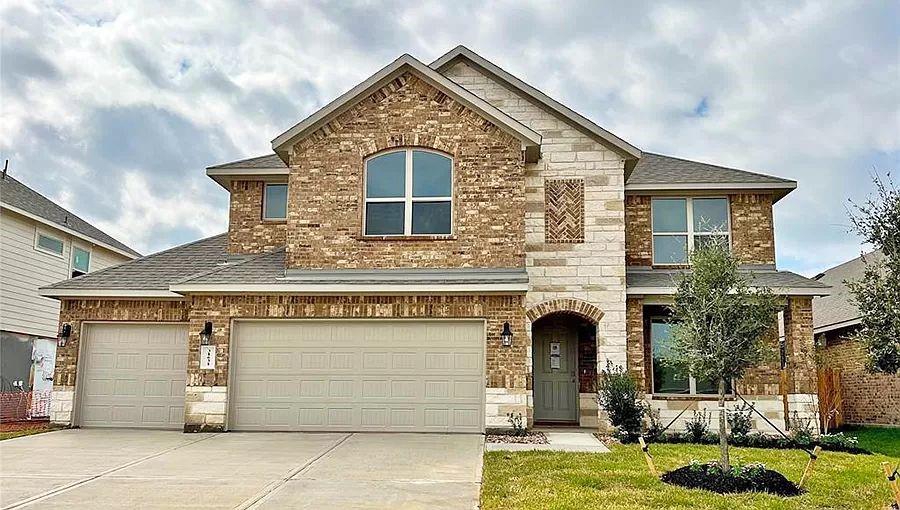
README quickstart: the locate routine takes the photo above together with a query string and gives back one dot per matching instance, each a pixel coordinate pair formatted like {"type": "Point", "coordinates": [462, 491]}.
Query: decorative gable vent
{"type": "Point", "coordinates": [564, 211]}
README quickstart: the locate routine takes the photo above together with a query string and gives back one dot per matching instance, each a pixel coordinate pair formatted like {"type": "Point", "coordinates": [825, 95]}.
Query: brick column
{"type": "Point", "coordinates": [801, 361]}
{"type": "Point", "coordinates": [637, 364]}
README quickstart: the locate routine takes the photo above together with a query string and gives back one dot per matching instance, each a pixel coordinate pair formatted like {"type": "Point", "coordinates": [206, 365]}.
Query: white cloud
{"type": "Point", "coordinates": [132, 95]}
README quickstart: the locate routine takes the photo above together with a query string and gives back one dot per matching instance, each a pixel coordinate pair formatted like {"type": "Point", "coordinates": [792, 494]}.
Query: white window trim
{"type": "Point", "coordinates": [40, 232]}
{"type": "Point", "coordinates": [265, 195]}
{"type": "Point", "coordinates": [90, 253]}
{"type": "Point", "coordinates": [408, 198]}
{"type": "Point", "coordinates": [689, 209]}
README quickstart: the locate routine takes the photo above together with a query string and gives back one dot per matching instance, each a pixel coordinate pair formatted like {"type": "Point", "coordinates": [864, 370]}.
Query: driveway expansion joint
{"type": "Point", "coordinates": [260, 497]}
{"type": "Point", "coordinates": [91, 478]}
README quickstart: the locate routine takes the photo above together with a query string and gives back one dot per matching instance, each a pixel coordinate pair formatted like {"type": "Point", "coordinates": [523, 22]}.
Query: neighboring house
{"type": "Point", "coordinates": [437, 248]}
{"type": "Point", "coordinates": [41, 243]}
{"type": "Point", "coordinates": [867, 398]}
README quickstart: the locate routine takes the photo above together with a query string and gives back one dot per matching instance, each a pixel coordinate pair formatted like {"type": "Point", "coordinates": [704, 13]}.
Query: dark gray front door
{"type": "Point", "coordinates": [555, 387]}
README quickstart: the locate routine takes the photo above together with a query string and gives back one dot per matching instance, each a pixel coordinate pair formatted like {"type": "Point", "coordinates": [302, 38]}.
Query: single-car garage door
{"type": "Point", "coordinates": [387, 375]}
{"type": "Point", "coordinates": [132, 375]}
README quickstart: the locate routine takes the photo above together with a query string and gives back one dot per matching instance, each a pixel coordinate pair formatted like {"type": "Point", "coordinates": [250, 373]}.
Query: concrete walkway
{"type": "Point", "coordinates": [559, 440]}
{"type": "Point", "coordinates": [105, 469]}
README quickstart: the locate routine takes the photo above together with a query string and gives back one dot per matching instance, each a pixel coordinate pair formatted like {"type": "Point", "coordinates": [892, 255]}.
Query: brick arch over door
{"type": "Point", "coordinates": [565, 305]}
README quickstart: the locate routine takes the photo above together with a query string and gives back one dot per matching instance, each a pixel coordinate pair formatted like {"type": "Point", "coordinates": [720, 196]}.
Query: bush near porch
{"type": "Point", "coordinates": [620, 480]}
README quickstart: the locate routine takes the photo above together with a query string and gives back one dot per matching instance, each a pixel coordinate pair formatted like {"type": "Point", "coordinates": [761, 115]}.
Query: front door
{"type": "Point", "coordinates": [555, 386]}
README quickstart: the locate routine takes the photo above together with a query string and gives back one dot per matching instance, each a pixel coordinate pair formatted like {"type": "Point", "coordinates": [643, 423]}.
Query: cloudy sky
{"type": "Point", "coordinates": [114, 109]}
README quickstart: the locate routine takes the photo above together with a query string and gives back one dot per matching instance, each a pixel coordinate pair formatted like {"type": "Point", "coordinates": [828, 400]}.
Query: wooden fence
{"type": "Point", "coordinates": [831, 414]}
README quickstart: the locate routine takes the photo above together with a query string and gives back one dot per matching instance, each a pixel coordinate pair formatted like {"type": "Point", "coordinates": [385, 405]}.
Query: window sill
{"type": "Point", "coordinates": [669, 396]}
{"type": "Point", "coordinates": [408, 238]}
{"type": "Point", "coordinates": [274, 222]}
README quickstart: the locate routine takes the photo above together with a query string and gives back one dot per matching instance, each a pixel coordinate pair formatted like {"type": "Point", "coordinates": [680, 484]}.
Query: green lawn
{"type": "Point", "coordinates": [9, 434]}
{"type": "Point", "coordinates": [620, 480]}
{"type": "Point", "coordinates": [883, 440]}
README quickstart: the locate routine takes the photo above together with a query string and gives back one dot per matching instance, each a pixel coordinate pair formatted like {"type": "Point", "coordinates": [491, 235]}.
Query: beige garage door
{"type": "Point", "coordinates": [358, 375]}
{"type": "Point", "coordinates": [132, 375]}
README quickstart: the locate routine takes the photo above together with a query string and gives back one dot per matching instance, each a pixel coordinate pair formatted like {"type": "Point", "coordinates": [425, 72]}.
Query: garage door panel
{"type": "Point", "coordinates": [360, 375]}
{"type": "Point", "coordinates": [135, 375]}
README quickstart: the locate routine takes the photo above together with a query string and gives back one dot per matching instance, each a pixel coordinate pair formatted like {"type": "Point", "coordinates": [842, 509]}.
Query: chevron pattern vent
{"type": "Point", "coordinates": [564, 211]}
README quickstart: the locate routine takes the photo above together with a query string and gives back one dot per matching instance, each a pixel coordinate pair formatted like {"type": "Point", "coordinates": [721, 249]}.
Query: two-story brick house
{"type": "Point", "coordinates": [438, 247]}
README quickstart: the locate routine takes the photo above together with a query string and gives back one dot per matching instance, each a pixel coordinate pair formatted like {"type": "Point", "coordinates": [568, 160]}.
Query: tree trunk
{"type": "Point", "coordinates": [723, 433]}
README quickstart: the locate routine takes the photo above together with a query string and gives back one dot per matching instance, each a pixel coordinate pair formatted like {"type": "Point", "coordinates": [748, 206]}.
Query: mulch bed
{"type": "Point", "coordinates": [530, 437]}
{"type": "Point", "coordinates": [759, 480]}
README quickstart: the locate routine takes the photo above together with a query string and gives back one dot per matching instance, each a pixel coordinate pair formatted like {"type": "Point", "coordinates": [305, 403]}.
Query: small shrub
{"type": "Point", "coordinates": [697, 428]}
{"type": "Point", "coordinates": [654, 425]}
{"type": "Point", "coordinates": [748, 478]}
{"type": "Point", "coordinates": [838, 442]}
{"type": "Point", "coordinates": [739, 421]}
{"type": "Point", "coordinates": [801, 429]}
{"type": "Point", "coordinates": [619, 396]}
{"type": "Point", "coordinates": [518, 424]}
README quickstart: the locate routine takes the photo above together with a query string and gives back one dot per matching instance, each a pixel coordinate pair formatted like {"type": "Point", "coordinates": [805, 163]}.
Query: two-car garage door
{"type": "Point", "coordinates": [398, 375]}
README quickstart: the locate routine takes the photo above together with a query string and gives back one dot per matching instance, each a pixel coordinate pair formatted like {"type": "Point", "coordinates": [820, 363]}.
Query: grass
{"type": "Point", "coordinates": [621, 480]}
{"type": "Point", "coordinates": [883, 440]}
{"type": "Point", "coordinates": [14, 432]}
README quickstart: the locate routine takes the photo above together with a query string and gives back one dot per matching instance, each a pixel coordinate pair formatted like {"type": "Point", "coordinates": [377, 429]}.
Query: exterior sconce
{"type": "Point", "coordinates": [506, 336]}
{"type": "Point", "coordinates": [206, 334]}
{"type": "Point", "coordinates": [64, 335]}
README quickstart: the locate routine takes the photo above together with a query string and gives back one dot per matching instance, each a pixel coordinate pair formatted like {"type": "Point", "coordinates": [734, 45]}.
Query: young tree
{"type": "Point", "coordinates": [877, 293]}
{"type": "Point", "coordinates": [720, 324]}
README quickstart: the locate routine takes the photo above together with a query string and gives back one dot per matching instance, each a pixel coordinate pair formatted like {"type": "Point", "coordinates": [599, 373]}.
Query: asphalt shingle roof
{"type": "Point", "coordinates": [267, 161]}
{"type": "Point", "coordinates": [156, 271]}
{"type": "Point", "coordinates": [16, 194]}
{"type": "Point", "coordinates": [662, 278]}
{"type": "Point", "coordinates": [837, 308]}
{"type": "Point", "coordinates": [659, 169]}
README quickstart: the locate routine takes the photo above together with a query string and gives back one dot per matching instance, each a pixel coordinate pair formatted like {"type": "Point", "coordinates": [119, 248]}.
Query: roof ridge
{"type": "Point", "coordinates": [782, 179]}
{"type": "Point", "coordinates": [225, 266]}
{"type": "Point", "coordinates": [68, 212]}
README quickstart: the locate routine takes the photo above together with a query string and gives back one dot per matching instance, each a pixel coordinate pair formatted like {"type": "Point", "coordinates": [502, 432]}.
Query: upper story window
{"type": "Point", "coordinates": [408, 192]}
{"type": "Point", "coordinates": [81, 261]}
{"type": "Point", "coordinates": [49, 244]}
{"type": "Point", "coordinates": [275, 202]}
{"type": "Point", "coordinates": [681, 225]}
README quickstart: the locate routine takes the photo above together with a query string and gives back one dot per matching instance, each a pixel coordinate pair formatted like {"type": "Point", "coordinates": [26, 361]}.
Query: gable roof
{"type": "Point", "coordinates": [267, 162]}
{"type": "Point", "coordinates": [529, 138]}
{"type": "Point", "coordinates": [837, 310]}
{"type": "Point", "coordinates": [628, 151]}
{"type": "Point", "coordinates": [148, 276]}
{"type": "Point", "coordinates": [655, 172]}
{"type": "Point", "coordinates": [19, 198]}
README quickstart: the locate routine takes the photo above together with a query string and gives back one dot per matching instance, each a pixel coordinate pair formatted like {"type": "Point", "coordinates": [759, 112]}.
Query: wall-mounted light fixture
{"type": "Point", "coordinates": [64, 333]}
{"type": "Point", "coordinates": [506, 336]}
{"type": "Point", "coordinates": [206, 334]}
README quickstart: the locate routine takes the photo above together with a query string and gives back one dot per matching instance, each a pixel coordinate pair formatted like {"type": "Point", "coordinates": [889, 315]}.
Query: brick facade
{"type": "Point", "coordinates": [868, 399]}
{"type": "Point", "coordinates": [752, 229]}
{"type": "Point", "coordinates": [325, 196]}
{"type": "Point", "coordinates": [248, 232]}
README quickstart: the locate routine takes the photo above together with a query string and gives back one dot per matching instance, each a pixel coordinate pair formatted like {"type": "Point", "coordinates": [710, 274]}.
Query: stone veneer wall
{"type": "Point", "coordinates": [77, 311]}
{"type": "Point", "coordinates": [248, 232]}
{"type": "Point", "coordinates": [752, 229]}
{"type": "Point", "coordinates": [760, 385]}
{"type": "Point", "coordinates": [504, 366]}
{"type": "Point", "coordinates": [868, 399]}
{"type": "Point", "coordinates": [325, 199]}
{"type": "Point", "coordinates": [592, 270]}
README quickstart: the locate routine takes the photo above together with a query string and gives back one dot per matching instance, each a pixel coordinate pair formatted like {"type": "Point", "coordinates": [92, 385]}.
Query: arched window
{"type": "Point", "coordinates": [408, 192]}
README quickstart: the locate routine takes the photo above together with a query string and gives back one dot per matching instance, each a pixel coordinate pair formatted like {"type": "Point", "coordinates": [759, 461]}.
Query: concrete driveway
{"type": "Point", "coordinates": [97, 469]}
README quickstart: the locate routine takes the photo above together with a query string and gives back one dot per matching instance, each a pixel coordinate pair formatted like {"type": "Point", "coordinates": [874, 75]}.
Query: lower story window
{"type": "Point", "coordinates": [667, 377]}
